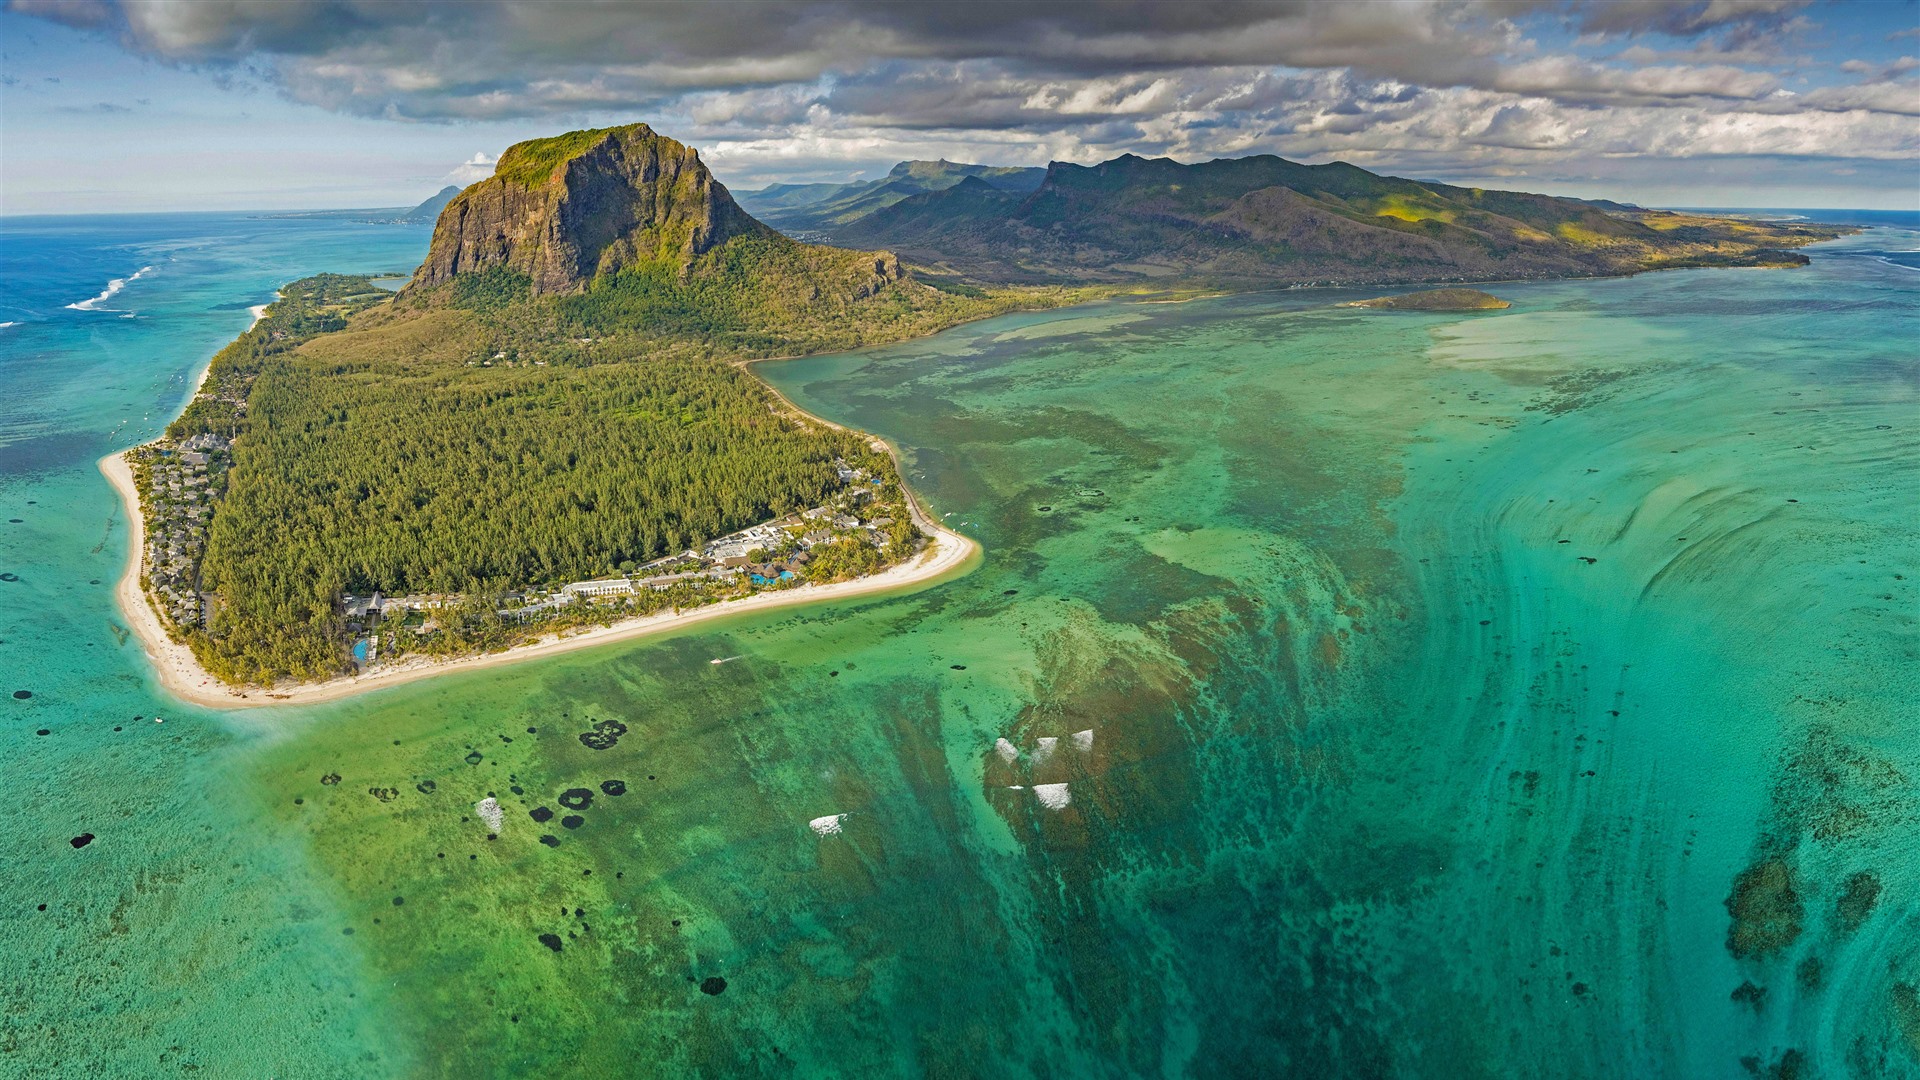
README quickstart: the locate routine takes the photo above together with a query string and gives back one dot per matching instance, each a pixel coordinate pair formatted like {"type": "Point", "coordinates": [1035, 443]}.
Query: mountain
{"type": "Point", "coordinates": [1266, 221]}
{"type": "Point", "coordinates": [567, 209]}
{"type": "Point", "coordinates": [810, 208]}
{"type": "Point", "coordinates": [430, 209]}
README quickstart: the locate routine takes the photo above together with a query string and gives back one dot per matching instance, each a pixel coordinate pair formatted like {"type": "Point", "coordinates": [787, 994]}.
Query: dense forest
{"type": "Point", "coordinates": [476, 439]}
{"type": "Point", "coordinates": [304, 308]}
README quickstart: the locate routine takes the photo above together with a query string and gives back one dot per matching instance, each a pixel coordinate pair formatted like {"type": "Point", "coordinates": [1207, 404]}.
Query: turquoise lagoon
{"type": "Point", "coordinates": [1342, 693]}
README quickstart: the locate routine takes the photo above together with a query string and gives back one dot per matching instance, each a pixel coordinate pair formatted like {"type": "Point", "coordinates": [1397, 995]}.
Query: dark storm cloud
{"type": "Point", "coordinates": [438, 59]}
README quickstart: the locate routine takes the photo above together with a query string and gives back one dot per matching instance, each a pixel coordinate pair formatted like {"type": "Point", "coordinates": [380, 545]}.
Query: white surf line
{"type": "Point", "coordinates": [4, 325]}
{"type": "Point", "coordinates": [108, 293]}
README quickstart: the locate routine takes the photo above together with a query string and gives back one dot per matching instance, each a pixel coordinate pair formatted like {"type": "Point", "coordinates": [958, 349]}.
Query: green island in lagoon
{"type": "Point", "coordinates": [1142, 618]}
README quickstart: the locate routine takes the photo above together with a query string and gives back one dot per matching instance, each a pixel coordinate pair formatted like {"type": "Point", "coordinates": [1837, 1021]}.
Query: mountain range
{"type": "Point", "coordinates": [821, 208]}
{"type": "Point", "coordinates": [1260, 221]}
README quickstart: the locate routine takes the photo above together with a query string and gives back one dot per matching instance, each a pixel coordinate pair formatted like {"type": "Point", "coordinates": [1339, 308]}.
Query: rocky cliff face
{"type": "Point", "coordinates": [562, 210]}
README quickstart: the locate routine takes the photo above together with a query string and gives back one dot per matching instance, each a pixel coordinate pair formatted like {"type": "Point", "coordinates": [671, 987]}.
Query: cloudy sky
{"type": "Point", "coordinates": [255, 104]}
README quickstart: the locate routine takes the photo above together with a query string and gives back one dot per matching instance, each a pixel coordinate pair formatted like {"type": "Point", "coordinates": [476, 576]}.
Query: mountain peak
{"type": "Point", "coordinates": [566, 209]}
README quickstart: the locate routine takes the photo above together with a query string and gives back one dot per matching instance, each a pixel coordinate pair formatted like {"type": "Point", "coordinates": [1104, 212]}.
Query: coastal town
{"type": "Point", "coordinates": [179, 485]}
{"type": "Point", "coordinates": [866, 526]}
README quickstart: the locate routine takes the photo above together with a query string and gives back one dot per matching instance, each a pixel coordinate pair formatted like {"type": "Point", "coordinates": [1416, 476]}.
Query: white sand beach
{"type": "Point", "coordinates": [948, 555]}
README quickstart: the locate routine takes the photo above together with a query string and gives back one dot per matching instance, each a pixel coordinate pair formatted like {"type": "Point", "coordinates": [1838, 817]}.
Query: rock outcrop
{"type": "Point", "coordinates": [566, 209]}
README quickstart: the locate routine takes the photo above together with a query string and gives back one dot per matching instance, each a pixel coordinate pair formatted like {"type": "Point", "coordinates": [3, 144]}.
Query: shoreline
{"type": "Point", "coordinates": [948, 554]}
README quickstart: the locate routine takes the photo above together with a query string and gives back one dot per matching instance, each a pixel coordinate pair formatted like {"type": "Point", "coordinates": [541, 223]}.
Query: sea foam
{"type": "Point", "coordinates": [490, 812]}
{"type": "Point", "coordinates": [108, 293]}
{"type": "Point", "coordinates": [826, 826]}
{"type": "Point", "coordinates": [1007, 751]}
{"type": "Point", "coordinates": [1083, 740]}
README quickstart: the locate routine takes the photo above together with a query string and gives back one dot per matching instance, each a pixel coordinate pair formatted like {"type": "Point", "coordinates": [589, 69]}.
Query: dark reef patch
{"type": "Point", "coordinates": [1754, 997]}
{"type": "Point", "coordinates": [573, 821]}
{"type": "Point", "coordinates": [604, 735]}
{"type": "Point", "coordinates": [1811, 973]}
{"type": "Point", "coordinates": [550, 840]}
{"type": "Point", "coordinates": [713, 986]}
{"type": "Point", "coordinates": [1857, 897]}
{"type": "Point", "coordinates": [1906, 1014]}
{"type": "Point", "coordinates": [22, 695]}
{"type": "Point", "coordinates": [613, 787]}
{"type": "Point", "coordinates": [577, 798]}
{"type": "Point", "coordinates": [82, 840]}
{"type": "Point", "coordinates": [540, 813]}
{"type": "Point", "coordinates": [1766, 909]}
{"type": "Point", "coordinates": [551, 941]}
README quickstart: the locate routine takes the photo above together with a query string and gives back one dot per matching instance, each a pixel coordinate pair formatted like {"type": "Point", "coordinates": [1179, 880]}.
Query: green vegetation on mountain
{"type": "Point", "coordinates": [811, 208]}
{"type": "Point", "coordinates": [557, 392]}
{"type": "Point", "coordinates": [1262, 221]}
{"type": "Point", "coordinates": [1437, 300]}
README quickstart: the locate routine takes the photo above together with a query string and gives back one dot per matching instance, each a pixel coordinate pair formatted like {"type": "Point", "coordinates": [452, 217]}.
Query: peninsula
{"type": "Point", "coordinates": [547, 439]}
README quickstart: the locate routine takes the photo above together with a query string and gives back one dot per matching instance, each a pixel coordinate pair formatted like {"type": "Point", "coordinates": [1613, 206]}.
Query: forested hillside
{"type": "Point", "coordinates": [822, 208]}
{"type": "Point", "coordinates": [1265, 221]}
{"type": "Point", "coordinates": [498, 427]}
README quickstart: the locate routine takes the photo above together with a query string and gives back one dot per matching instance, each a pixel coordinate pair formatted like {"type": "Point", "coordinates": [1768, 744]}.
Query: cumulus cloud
{"type": "Point", "coordinates": [473, 170]}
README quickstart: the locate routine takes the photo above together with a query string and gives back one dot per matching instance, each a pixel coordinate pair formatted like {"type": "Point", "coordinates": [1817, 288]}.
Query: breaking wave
{"type": "Point", "coordinates": [112, 288]}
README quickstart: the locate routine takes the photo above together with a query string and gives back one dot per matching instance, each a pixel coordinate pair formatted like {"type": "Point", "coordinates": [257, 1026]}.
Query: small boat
{"type": "Point", "coordinates": [159, 720]}
{"type": "Point", "coordinates": [722, 659]}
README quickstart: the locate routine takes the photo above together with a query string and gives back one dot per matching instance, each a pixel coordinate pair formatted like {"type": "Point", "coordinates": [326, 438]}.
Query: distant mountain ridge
{"type": "Point", "coordinates": [429, 210]}
{"type": "Point", "coordinates": [1264, 220]}
{"type": "Point", "coordinates": [825, 207]}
